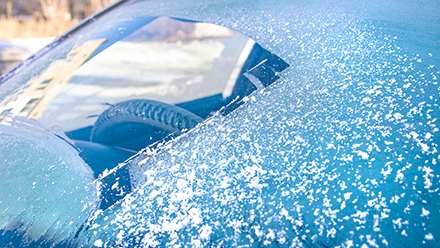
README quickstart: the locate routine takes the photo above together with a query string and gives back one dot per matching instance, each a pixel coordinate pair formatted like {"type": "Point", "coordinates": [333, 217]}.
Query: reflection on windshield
{"type": "Point", "coordinates": [39, 94]}
{"type": "Point", "coordinates": [195, 67]}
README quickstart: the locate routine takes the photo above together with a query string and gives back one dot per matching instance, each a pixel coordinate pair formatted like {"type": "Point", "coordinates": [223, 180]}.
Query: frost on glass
{"type": "Point", "coordinates": [342, 151]}
{"type": "Point", "coordinates": [47, 191]}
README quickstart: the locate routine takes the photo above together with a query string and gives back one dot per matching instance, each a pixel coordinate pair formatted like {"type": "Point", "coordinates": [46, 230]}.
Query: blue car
{"type": "Point", "coordinates": [11, 55]}
{"type": "Point", "coordinates": [227, 124]}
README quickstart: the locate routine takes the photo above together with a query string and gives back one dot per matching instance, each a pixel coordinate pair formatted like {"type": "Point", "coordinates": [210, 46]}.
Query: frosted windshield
{"type": "Point", "coordinates": [341, 151]}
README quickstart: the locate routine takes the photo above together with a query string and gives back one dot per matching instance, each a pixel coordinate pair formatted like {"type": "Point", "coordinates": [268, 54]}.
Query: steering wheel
{"type": "Point", "coordinates": [150, 115]}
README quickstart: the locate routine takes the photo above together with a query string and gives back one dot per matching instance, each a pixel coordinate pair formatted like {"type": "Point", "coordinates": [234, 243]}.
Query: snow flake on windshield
{"type": "Point", "coordinates": [342, 152]}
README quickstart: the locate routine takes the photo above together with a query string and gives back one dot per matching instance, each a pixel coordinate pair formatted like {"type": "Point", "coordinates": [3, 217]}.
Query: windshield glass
{"type": "Point", "coordinates": [138, 81]}
{"type": "Point", "coordinates": [130, 84]}
{"type": "Point", "coordinates": [341, 151]}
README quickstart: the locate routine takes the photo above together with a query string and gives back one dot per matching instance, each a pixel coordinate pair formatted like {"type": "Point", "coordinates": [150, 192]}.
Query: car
{"type": "Point", "coordinates": [11, 55]}
{"type": "Point", "coordinates": [227, 124]}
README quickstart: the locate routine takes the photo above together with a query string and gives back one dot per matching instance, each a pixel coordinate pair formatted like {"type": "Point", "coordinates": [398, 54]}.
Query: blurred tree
{"type": "Point", "coordinates": [8, 9]}
{"type": "Point", "coordinates": [55, 10]}
{"type": "Point", "coordinates": [19, 7]}
{"type": "Point", "coordinates": [92, 6]}
{"type": "Point", "coordinates": [51, 9]}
